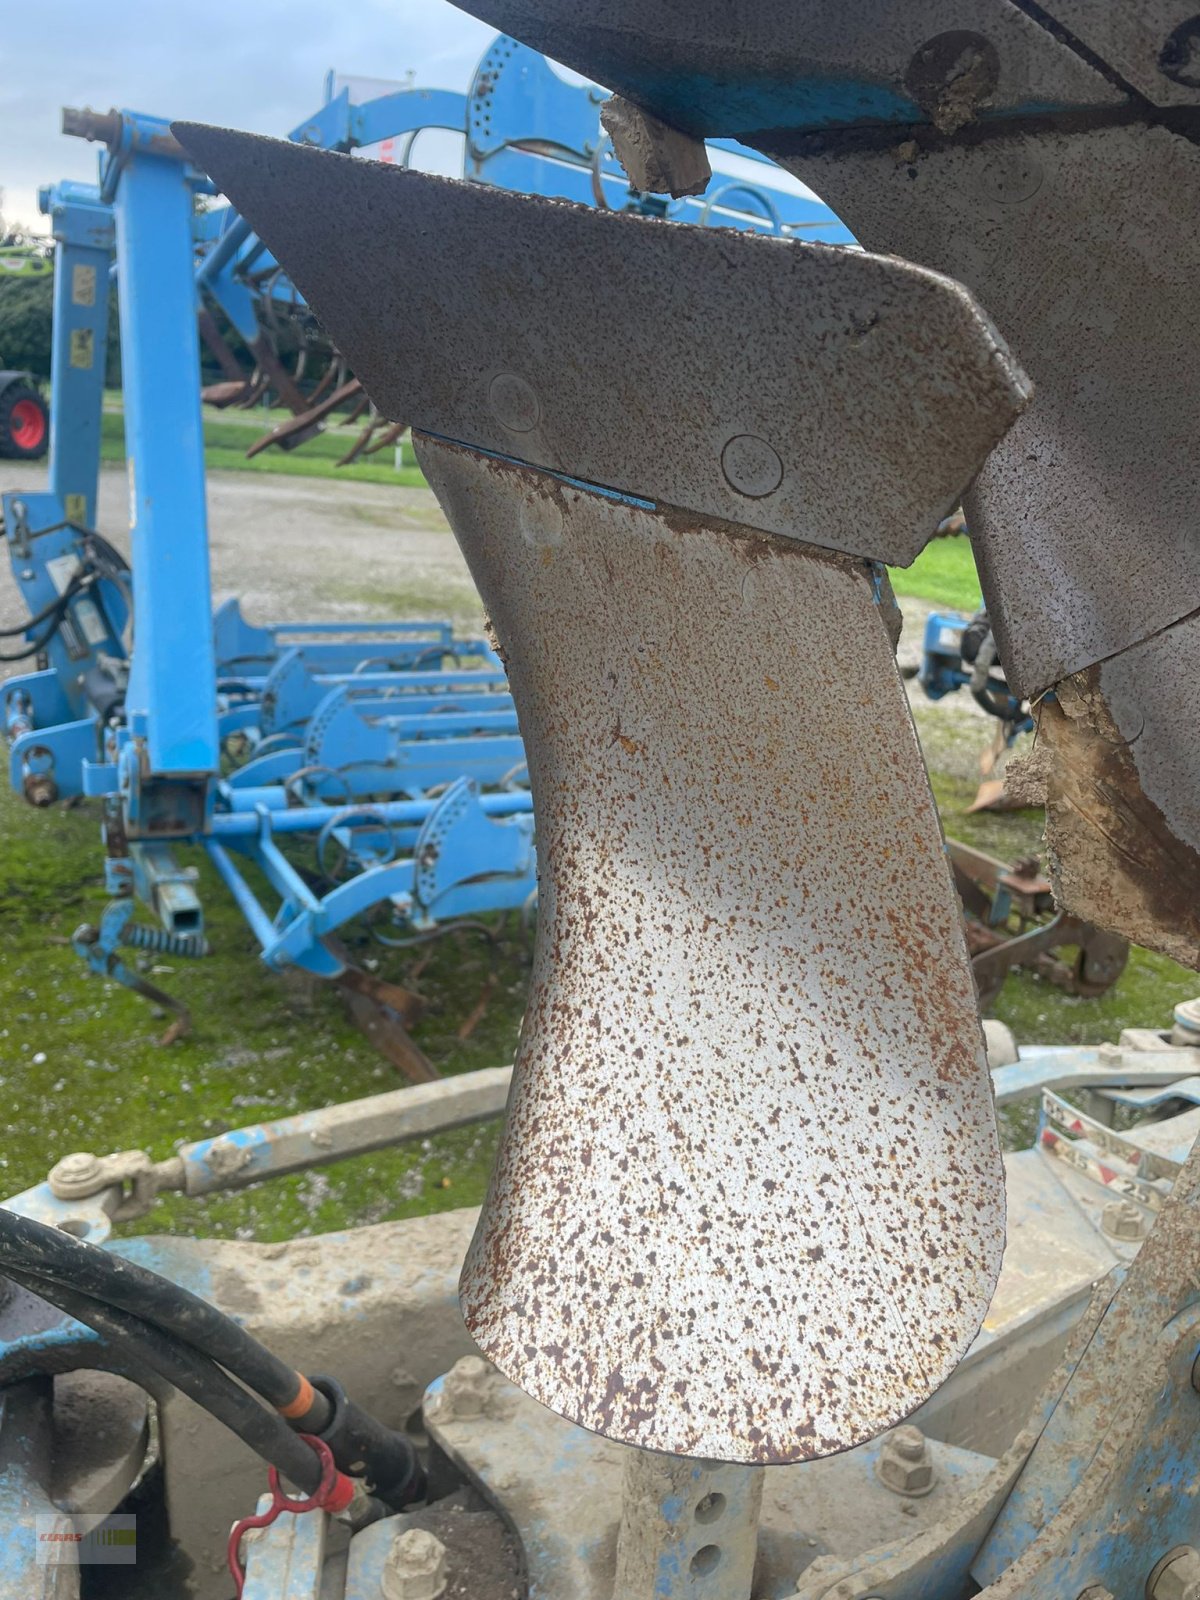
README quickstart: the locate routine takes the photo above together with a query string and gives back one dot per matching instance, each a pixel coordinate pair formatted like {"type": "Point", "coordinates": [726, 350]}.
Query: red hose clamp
{"type": "Point", "coordinates": [334, 1493]}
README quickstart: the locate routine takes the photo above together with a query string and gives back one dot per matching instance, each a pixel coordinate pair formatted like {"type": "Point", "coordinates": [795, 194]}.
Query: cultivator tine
{"type": "Point", "coordinates": [237, 381]}
{"type": "Point", "coordinates": [749, 1202]}
{"type": "Point", "coordinates": [384, 1012]}
{"type": "Point", "coordinates": [302, 426]}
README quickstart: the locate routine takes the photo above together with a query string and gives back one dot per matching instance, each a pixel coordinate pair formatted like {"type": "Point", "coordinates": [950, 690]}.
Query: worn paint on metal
{"type": "Point", "coordinates": [720, 371]}
{"type": "Point", "coordinates": [737, 67]}
{"type": "Point", "coordinates": [697, 1240]}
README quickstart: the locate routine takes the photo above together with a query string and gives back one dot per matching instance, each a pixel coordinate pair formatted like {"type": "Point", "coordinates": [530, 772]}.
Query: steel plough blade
{"type": "Point", "coordinates": [749, 1201]}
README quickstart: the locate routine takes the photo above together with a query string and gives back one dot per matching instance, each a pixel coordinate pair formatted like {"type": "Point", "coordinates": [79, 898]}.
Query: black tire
{"type": "Point", "coordinates": [24, 423]}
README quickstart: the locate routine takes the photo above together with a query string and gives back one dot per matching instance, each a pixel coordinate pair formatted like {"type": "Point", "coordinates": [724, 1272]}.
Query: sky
{"type": "Point", "coordinates": [254, 64]}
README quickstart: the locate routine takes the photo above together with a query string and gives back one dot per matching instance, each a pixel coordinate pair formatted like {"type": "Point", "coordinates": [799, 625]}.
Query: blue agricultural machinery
{"type": "Point", "coordinates": [757, 1307]}
{"type": "Point", "coordinates": [388, 750]}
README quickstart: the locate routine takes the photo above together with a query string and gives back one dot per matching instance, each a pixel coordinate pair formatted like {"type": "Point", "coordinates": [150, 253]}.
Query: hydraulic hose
{"type": "Point", "coordinates": [191, 1373]}
{"type": "Point", "coordinates": [54, 1263]}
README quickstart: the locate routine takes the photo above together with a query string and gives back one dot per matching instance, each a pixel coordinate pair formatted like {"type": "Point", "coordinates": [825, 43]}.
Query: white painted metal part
{"type": "Point", "coordinates": [748, 1205]}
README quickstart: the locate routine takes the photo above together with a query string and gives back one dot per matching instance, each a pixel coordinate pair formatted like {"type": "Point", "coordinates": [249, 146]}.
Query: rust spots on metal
{"type": "Point", "coordinates": [845, 399]}
{"type": "Point", "coordinates": [749, 1201]}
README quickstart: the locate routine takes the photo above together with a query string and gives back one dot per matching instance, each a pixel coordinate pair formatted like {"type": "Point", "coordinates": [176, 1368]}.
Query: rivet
{"type": "Point", "coordinates": [1007, 179]}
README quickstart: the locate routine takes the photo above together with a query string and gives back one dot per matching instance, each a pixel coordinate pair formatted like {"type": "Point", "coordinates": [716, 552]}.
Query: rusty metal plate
{"type": "Point", "coordinates": [739, 67]}
{"type": "Point", "coordinates": [1080, 242]}
{"type": "Point", "coordinates": [749, 1201]}
{"type": "Point", "coordinates": [1085, 518]}
{"type": "Point", "coordinates": [696, 366]}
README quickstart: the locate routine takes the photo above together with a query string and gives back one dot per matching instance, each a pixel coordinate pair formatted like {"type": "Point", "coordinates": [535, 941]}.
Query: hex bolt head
{"type": "Point", "coordinates": [905, 1464]}
{"type": "Point", "coordinates": [74, 1177]}
{"type": "Point", "coordinates": [465, 1390]}
{"type": "Point", "coordinates": [1121, 1219]}
{"type": "Point", "coordinates": [414, 1568]}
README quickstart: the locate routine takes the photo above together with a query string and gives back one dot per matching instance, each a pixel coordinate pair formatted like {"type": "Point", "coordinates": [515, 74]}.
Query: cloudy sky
{"type": "Point", "coordinates": [256, 64]}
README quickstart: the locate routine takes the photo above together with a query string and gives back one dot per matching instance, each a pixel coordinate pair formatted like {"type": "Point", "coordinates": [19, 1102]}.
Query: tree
{"type": "Point", "coordinates": [26, 318]}
{"type": "Point", "coordinates": [26, 311]}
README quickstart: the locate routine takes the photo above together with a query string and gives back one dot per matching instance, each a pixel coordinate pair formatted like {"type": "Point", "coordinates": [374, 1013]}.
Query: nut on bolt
{"type": "Point", "coordinates": [414, 1568]}
{"type": "Point", "coordinates": [1121, 1219]}
{"type": "Point", "coordinates": [75, 1176]}
{"type": "Point", "coordinates": [1177, 1575]}
{"type": "Point", "coordinates": [40, 789]}
{"type": "Point", "coordinates": [465, 1390]}
{"type": "Point", "coordinates": [905, 1464]}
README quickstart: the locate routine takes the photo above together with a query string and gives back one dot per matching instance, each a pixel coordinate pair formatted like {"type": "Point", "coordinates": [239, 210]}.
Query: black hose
{"type": "Point", "coordinates": [52, 1264]}
{"type": "Point", "coordinates": [38, 644]}
{"type": "Point", "coordinates": [57, 604]}
{"type": "Point", "coordinates": [193, 1374]}
{"type": "Point", "coordinates": [32, 1247]}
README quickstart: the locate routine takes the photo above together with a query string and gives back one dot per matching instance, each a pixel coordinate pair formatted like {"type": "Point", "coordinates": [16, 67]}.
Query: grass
{"type": "Point", "coordinates": [226, 441]}
{"type": "Point", "coordinates": [81, 1067]}
{"type": "Point", "coordinates": [943, 573]}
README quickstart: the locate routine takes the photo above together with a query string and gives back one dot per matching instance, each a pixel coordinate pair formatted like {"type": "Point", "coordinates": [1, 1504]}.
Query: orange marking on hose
{"type": "Point", "coordinates": [302, 1404]}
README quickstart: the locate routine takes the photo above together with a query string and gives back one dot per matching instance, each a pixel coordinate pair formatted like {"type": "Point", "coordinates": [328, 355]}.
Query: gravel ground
{"type": "Point", "coordinates": [318, 548]}
{"type": "Point", "coordinates": [302, 547]}
{"type": "Point", "coordinates": [330, 549]}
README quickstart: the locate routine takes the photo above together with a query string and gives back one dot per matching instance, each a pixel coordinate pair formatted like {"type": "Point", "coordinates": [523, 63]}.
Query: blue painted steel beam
{"type": "Point", "coordinates": [82, 226]}
{"type": "Point", "coordinates": [171, 699]}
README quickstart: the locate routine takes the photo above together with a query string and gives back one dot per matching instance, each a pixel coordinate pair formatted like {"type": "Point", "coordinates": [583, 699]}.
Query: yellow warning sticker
{"type": "Point", "coordinates": [75, 505]}
{"type": "Point", "coordinates": [83, 286]}
{"type": "Point", "coordinates": [83, 348]}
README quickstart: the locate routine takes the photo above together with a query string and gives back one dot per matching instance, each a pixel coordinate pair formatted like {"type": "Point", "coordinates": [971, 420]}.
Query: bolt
{"type": "Point", "coordinates": [1095, 1591]}
{"type": "Point", "coordinates": [951, 76]}
{"type": "Point", "coordinates": [414, 1568]}
{"type": "Point", "coordinates": [513, 403]}
{"type": "Point", "coordinates": [751, 466]}
{"type": "Point", "coordinates": [75, 1176]}
{"type": "Point", "coordinates": [1121, 1219]}
{"type": "Point", "coordinates": [1177, 1575]}
{"type": "Point", "coordinates": [1180, 56]}
{"type": "Point", "coordinates": [40, 789]}
{"type": "Point", "coordinates": [465, 1390]}
{"type": "Point", "coordinates": [905, 1465]}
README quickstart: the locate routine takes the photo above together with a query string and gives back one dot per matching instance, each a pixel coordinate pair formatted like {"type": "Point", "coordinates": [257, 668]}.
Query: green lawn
{"type": "Point", "coordinates": [80, 1067]}
{"type": "Point", "coordinates": [944, 573]}
{"type": "Point", "coordinates": [228, 434]}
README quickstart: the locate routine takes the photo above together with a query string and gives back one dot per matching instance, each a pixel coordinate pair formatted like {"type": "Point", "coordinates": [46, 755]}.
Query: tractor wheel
{"type": "Point", "coordinates": [24, 423]}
